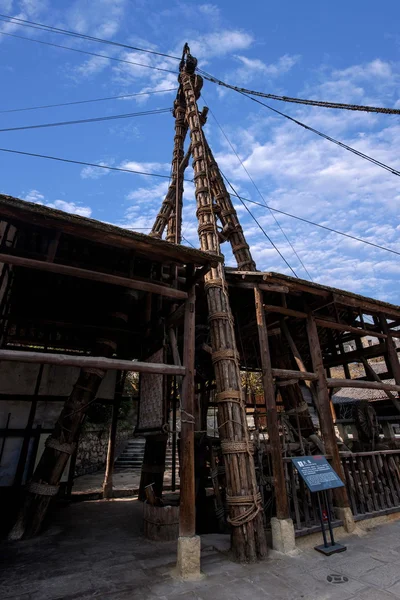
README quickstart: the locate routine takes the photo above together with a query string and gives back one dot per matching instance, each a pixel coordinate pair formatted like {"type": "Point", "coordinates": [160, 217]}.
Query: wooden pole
{"type": "Point", "coordinates": [282, 506]}
{"type": "Point", "coordinates": [90, 362]}
{"type": "Point", "coordinates": [324, 411]}
{"type": "Point", "coordinates": [248, 538]}
{"type": "Point", "coordinates": [187, 515]}
{"type": "Point", "coordinates": [174, 229]}
{"type": "Point", "coordinates": [108, 476]}
{"type": "Point", "coordinates": [135, 284]}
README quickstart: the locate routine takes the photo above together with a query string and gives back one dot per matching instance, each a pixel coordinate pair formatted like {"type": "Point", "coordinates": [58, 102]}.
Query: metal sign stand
{"type": "Point", "coordinates": [333, 547]}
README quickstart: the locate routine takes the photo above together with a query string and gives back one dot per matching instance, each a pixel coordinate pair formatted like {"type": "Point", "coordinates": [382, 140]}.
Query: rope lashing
{"type": "Point", "coordinates": [254, 503]}
{"type": "Point", "coordinates": [214, 283]}
{"type": "Point", "coordinates": [189, 418]}
{"type": "Point", "coordinates": [228, 396]}
{"type": "Point", "coordinates": [225, 354]}
{"type": "Point", "coordinates": [42, 489]}
{"type": "Point", "coordinates": [220, 315]}
{"type": "Point", "coordinates": [228, 447]}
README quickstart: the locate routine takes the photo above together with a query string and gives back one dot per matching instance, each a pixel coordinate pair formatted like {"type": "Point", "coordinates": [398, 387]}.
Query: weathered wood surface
{"type": "Point", "coordinates": [161, 523]}
{"type": "Point", "coordinates": [323, 406]}
{"type": "Point", "coordinates": [90, 362]}
{"type": "Point", "coordinates": [342, 327]}
{"type": "Point", "coordinates": [292, 374]}
{"type": "Point", "coordinates": [248, 538]}
{"type": "Point", "coordinates": [282, 507]}
{"type": "Point", "coordinates": [282, 310]}
{"type": "Point", "coordinates": [366, 385]}
{"type": "Point", "coordinates": [187, 518]}
{"type": "Point", "coordinates": [135, 284]}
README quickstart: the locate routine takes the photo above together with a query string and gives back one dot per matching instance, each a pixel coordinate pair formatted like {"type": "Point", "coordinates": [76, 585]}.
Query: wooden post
{"type": "Point", "coordinates": [187, 517]}
{"type": "Point", "coordinates": [324, 411]}
{"type": "Point", "coordinates": [248, 537]}
{"type": "Point", "coordinates": [393, 359]}
{"type": "Point", "coordinates": [153, 467]}
{"type": "Point", "coordinates": [282, 506]}
{"type": "Point", "coordinates": [108, 476]}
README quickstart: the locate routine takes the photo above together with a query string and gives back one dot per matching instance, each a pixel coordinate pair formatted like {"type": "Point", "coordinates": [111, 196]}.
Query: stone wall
{"type": "Point", "coordinates": [93, 444]}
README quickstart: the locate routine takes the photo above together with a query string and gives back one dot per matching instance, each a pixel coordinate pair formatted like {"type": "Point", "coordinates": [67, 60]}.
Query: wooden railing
{"type": "Point", "coordinates": [372, 481]}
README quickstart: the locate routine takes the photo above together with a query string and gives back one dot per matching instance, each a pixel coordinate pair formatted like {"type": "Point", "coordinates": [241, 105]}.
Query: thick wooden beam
{"type": "Point", "coordinates": [187, 513]}
{"type": "Point", "coordinates": [292, 374]}
{"type": "Point", "coordinates": [392, 357]}
{"type": "Point", "coordinates": [282, 505]}
{"type": "Point", "coordinates": [108, 476]}
{"type": "Point", "coordinates": [264, 287]}
{"type": "Point", "coordinates": [365, 385]}
{"type": "Point", "coordinates": [370, 371]}
{"type": "Point", "coordinates": [355, 355]}
{"type": "Point", "coordinates": [366, 306]}
{"type": "Point", "coordinates": [324, 410]}
{"type": "Point", "coordinates": [285, 311]}
{"type": "Point", "coordinates": [93, 362]}
{"type": "Point", "coordinates": [351, 329]}
{"type": "Point", "coordinates": [298, 358]}
{"type": "Point", "coordinates": [135, 284]}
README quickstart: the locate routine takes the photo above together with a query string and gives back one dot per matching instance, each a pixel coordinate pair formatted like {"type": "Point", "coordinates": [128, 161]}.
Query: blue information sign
{"type": "Point", "coordinates": [317, 473]}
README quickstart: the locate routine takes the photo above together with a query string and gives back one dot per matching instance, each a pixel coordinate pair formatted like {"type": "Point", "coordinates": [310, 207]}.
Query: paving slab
{"type": "Point", "coordinates": [96, 550]}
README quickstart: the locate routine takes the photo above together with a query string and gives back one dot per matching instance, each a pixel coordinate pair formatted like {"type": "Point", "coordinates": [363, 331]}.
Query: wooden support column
{"type": "Point", "coordinates": [248, 537]}
{"type": "Point", "coordinates": [282, 506]}
{"type": "Point", "coordinates": [324, 411]}
{"type": "Point", "coordinates": [392, 357]}
{"type": "Point", "coordinates": [108, 476]}
{"type": "Point", "coordinates": [153, 467]}
{"type": "Point", "coordinates": [187, 516]}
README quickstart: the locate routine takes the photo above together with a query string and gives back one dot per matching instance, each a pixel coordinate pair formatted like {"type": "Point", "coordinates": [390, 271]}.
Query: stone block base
{"type": "Point", "coordinates": [345, 515]}
{"type": "Point", "coordinates": [188, 560]}
{"type": "Point", "coordinates": [283, 539]}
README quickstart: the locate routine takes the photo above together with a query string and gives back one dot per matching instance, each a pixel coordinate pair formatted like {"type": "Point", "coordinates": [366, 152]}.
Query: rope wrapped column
{"type": "Point", "coordinates": [248, 538]}
{"type": "Point", "coordinates": [171, 208]}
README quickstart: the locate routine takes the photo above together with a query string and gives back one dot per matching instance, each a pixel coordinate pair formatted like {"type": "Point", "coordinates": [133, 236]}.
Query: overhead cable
{"type": "Point", "coordinates": [320, 103]}
{"type": "Point", "coordinates": [106, 56]}
{"type": "Point", "coordinates": [259, 225]}
{"type": "Point", "coordinates": [259, 193]}
{"type": "Point", "coordinates": [86, 164]}
{"type": "Point", "coordinates": [315, 224]}
{"type": "Point", "coordinates": [234, 193]}
{"type": "Point", "coordinates": [92, 120]}
{"type": "Point", "coordinates": [50, 28]}
{"type": "Point", "coordinates": [11, 110]}
{"type": "Point", "coordinates": [327, 137]}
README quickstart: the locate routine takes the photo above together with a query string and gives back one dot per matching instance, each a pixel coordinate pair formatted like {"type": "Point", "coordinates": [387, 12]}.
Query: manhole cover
{"type": "Point", "coordinates": [337, 579]}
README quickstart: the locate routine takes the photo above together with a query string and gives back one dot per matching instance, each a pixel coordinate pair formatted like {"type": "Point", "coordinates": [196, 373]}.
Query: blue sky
{"type": "Point", "coordinates": [342, 51]}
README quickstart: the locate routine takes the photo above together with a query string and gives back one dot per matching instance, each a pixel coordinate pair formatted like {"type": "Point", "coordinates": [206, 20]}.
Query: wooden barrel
{"type": "Point", "coordinates": [161, 523]}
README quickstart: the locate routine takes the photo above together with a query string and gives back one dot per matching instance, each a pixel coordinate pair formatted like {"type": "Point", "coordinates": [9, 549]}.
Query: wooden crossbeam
{"type": "Point", "coordinates": [93, 362]}
{"type": "Point", "coordinates": [136, 284]}
{"type": "Point", "coordinates": [366, 385]}
{"type": "Point", "coordinates": [292, 374]}
{"type": "Point", "coordinates": [282, 310]}
{"type": "Point", "coordinates": [342, 327]}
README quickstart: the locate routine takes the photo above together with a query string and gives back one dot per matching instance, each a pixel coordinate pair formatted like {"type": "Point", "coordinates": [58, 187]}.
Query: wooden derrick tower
{"type": "Point", "coordinates": [213, 201]}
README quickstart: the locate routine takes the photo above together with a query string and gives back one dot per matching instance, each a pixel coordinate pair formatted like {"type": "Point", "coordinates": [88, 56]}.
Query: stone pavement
{"type": "Point", "coordinates": [125, 482]}
{"type": "Point", "coordinates": [95, 550]}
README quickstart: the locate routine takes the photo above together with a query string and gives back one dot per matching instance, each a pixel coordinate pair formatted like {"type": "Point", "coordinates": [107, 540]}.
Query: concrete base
{"type": "Point", "coordinates": [188, 559]}
{"type": "Point", "coordinates": [345, 515]}
{"type": "Point", "coordinates": [283, 539]}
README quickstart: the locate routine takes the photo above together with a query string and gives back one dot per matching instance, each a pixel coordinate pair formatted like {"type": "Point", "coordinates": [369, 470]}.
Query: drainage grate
{"type": "Point", "coordinates": [337, 579]}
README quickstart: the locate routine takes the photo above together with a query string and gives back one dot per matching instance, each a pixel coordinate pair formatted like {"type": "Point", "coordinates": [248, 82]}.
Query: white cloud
{"type": "Point", "coordinates": [255, 65]}
{"type": "Point", "coordinates": [220, 43]}
{"type": "Point", "coordinates": [95, 172]}
{"type": "Point", "coordinates": [69, 207]}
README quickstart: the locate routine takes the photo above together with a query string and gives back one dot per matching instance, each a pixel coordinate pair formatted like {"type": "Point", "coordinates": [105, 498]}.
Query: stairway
{"type": "Point", "coordinates": [133, 453]}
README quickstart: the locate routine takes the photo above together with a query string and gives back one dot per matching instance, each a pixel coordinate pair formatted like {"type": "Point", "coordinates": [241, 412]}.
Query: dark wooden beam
{"type": "Point", "coordinates": [292, 374]}
{"type": "Point", "coordinates": [341, 327]}
{"type": "Point", "coordinates": [136, 284]}
{"type": "Point", "coordinates": [355, 355]}
{"type": "Point", "coordinates": [285, 311]}
{"type": "Point", "coordinates": [360, 383]}
{"type": "Point", "coordinates": [94, 362]}
{"type": "Point", "coordinates": [282, 505]}
{"type": "Point", "coordinates": [187, 513]}
{"type": "Point", "coordinates": [367, 306]}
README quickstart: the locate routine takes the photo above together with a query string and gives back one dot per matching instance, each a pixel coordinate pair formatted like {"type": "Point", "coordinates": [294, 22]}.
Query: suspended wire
{"type": "Point", "coordinates": [50, 28]}
{"type": "Point", "coordinates": [260, 194]}
{"type": "Point", "coordinates": [106, 56]}
{"type": "Point", "coordinates": [327, 137]}
{"type": "Point", "coordinates": [234, 193]}
{"type": "Point", "coordinates": [259, 225]}
{"type": "Point", "coordinates": [321, 103]}
{"type": "Point", "coordinates": [11, 110]}
{"type": "Point", "coordinates": [87, 164]}
{"type": "Point", "coordinates": [348, 235]}
{"type": "Point", "coordinates": [159, 111]}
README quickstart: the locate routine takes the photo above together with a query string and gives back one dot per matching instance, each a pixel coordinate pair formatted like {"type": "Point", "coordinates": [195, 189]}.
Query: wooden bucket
{"type": "Point", "coordinates": [161, 523]}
